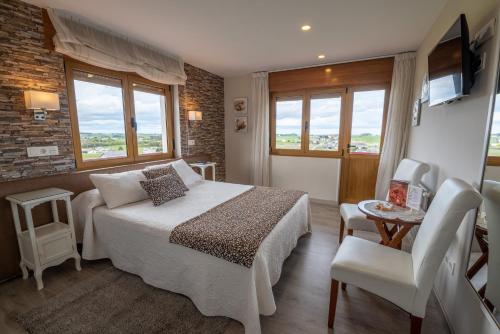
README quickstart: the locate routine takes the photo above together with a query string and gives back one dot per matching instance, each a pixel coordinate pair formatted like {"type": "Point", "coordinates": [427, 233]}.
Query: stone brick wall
{"type": "Point", "coordinates": [203, 92]}
{"type": "Point", "coordinates": [26, 64]}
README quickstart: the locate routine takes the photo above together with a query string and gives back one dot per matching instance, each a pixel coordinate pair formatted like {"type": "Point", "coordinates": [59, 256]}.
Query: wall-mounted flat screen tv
{"type": "Point", "coordinates": [450, 65]}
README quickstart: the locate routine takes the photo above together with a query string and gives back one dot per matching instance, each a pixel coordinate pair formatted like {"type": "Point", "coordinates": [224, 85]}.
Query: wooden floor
{"type": "Point", "coordinates": [301, 295]}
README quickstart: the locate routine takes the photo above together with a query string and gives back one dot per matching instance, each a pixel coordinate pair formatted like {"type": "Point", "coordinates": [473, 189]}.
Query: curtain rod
{"type": "Point", "coordinates": [335, 63]}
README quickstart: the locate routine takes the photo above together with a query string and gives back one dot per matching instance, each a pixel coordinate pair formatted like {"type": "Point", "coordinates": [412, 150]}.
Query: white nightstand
{"type": "Point", "coordinates": [203, 166]}
{"type": "Point", "coordinates": [47, 245]}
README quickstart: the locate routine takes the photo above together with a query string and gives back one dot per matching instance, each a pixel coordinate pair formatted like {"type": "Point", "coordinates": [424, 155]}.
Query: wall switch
{"type": "Point", "coordinates": [191, 142]}
{"type": "Point", "coordinates": [42, 151]}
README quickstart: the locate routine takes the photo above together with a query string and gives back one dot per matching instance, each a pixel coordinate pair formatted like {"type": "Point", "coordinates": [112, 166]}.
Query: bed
{"type": "Point", "coordinates": [136, 239]}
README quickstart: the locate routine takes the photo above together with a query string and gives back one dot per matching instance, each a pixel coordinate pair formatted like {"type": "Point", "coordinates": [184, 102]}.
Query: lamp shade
{"type": "Point", "coordinates": [195, 115]}
{"type": "Point", "coordinates": [41, 100]}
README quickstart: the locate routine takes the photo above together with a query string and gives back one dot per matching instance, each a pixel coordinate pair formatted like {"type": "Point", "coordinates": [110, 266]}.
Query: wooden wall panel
{"type": "Point", "coordinates": [359, 73]}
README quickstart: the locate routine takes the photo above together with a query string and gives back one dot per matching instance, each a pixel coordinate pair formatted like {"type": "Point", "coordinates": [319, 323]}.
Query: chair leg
{"type": "Point", "coordinates": [416, 324]}
{"type": "Point", "coordinates": [334, 290]}
{"type": "Point", "coordinates": [341, 232]}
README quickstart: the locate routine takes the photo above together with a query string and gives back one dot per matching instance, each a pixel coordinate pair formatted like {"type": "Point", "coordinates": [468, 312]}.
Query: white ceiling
{"type": "Point", "coordinates": [234, 37]}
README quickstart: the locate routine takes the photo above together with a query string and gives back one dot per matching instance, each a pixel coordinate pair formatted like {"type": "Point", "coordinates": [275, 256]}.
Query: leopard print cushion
{"type": "Point", "coordinates": [153, 173]}
{"type": "Point", "coordinates": [163, 189]}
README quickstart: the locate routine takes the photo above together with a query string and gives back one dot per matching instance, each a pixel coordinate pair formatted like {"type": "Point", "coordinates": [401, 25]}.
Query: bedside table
{"type": "Point", "coordinates": [202, 166]}
{"type": "Point", "coordinates": [47, 245]}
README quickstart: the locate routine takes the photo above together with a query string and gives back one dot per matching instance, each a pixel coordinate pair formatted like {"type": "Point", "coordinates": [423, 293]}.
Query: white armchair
{"type": "Point", "coordinates": [405, 279]}
{"type": "Point", "coordinates": [353, 219]}
{"type": "Point", "coordinates": [491, 194]}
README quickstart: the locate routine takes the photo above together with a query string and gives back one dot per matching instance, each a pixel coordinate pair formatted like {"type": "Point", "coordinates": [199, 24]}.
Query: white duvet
{"type": "Point", "coordinates": [136, 239]}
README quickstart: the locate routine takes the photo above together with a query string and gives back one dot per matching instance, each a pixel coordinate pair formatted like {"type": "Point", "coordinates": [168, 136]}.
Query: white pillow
{"type": "Point", "coordinates": [120, 188]}
{"type": "Point", "coordinates": [187, 174]}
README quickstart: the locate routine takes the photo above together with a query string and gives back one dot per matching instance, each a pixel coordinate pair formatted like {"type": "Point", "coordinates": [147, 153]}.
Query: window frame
{"type": "Point", "coordinates": [306, 95]}
{"type": "Point", "coordinates": [127, 80]}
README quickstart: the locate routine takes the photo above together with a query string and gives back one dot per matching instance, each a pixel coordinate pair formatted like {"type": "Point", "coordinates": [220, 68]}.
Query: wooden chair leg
{"type": "Point", "coordinates": [341, 231]}
{"type": "Point", "coordinates": [334, 290]}
{"type": "Point", "coordinates": [416, 324]}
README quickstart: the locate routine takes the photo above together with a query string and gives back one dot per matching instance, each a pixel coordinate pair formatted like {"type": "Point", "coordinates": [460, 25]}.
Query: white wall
{"type": "Point", "coordinates": [451, 138]}
{"type": "Point", "coordinates": [238, 145]}
{"type": "Point", "coordinates": [318, 176]}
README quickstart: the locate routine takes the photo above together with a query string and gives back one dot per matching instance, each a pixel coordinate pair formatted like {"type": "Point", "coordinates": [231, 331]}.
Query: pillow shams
{"type": "Point", "coordinates": [153, 173]}
{"type": "Point", "coordinates": [120, 188]}
{"type": "Point", "coordinates": [163, 189]}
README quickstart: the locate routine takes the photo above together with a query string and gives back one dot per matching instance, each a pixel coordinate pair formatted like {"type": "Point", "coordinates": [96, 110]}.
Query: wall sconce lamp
{"type": "Point", "coordinates": [195, 115]}
{"type": "Point", "coordinates": [40, 102]}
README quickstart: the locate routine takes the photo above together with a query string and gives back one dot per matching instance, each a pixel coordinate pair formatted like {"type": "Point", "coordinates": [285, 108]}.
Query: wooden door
{"type": "Point", "coordinates": [364, 128]}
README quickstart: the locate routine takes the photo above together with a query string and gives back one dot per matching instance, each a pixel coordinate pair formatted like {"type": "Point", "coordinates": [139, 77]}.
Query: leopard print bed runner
{"type": "Point", "coordinates": [234, 230]}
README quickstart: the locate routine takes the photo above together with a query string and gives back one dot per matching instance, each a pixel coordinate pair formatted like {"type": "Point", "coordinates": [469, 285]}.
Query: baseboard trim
{"type": "Point", "coordinates": [323, 201]}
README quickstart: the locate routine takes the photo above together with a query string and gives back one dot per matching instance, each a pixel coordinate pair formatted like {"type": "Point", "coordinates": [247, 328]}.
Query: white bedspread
{"type": "Point", "coordinates": [136, 239]}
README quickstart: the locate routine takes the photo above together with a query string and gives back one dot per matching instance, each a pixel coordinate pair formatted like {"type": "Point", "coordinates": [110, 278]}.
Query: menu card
{"type": "Point", "coordinates": [398, 192]}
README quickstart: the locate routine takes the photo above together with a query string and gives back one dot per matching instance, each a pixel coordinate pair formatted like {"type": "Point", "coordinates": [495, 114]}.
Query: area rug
{"type": "Point", "coordinates": [118, 302]}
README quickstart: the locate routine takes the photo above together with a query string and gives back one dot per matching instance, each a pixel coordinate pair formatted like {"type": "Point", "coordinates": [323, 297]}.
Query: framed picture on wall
{"type": "Point", "coordinates": [417, 108]}
{"type": "Point", "coordinates": [240, 105]}
{"type": "Point", "coordinates": [241, 124]}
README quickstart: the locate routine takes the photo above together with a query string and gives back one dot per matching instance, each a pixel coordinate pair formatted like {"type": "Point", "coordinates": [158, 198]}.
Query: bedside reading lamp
{"type": "Point", "coordinates": [192, 116]}
{"type": "Point", "coordinates": [40, 102]}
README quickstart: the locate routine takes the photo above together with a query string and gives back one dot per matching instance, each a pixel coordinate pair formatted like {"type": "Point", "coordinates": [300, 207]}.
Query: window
{"type": "Point", "coordinates": [324, 128]}
{"type": "Point", "coordinates": [117, 117]}
{"type": "Point", "coordinates": [289, 123]}
{"type": "Point", "coordinates": [494, 142]}
{"type": "Point", "coordinates": [367, 121]}
{"type": "Point", "coordinates": [306, 123]}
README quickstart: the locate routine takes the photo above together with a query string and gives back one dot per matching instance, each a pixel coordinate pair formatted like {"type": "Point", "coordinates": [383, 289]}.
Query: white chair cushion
{"type": "Point", "coordinates": [355, 219]}
{"type": "Point", "coordinates": [379, 269]}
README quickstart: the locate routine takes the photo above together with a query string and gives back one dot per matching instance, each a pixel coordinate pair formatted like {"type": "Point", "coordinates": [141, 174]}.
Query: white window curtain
{"type": "Point", "coordinates": [260, 111]}
{"type": "Point", "coordinates": [98, 47]}
{"type": "Point", "coordinates": [398, 121]}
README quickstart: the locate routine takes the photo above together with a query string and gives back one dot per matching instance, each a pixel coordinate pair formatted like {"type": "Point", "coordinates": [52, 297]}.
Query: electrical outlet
{"type": "Point", "coordinates": [191, 142]}
{"type": "Point", "coordinates": [42, 151]}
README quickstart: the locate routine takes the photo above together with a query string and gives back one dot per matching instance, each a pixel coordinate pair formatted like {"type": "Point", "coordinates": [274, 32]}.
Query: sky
{"type": "Point", "coordinates": [495, 127]}
{"type": "Point", "coordinates": [325, 114]}
{"type": "Point", "coordinates": [100, 109]}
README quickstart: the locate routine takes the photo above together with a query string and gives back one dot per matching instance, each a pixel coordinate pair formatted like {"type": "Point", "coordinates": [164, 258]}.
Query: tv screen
{"type": "Point", "coordinates": [450, 65]}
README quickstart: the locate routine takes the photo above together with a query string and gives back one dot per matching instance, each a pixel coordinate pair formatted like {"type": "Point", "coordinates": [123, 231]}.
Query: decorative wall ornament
{"type": "Point", "coordinates": [424, 95]}
{"type": "Point", "coordinates": [240, 105]}
{"type": "Point", "coordinates": [241, 124]}
{"type": "Point", "coordinates": [417, 108]}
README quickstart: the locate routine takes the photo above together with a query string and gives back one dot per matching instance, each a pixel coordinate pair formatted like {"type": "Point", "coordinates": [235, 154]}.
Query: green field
{"type": "Point", "coordinates": [104, 145]}
{"type": "Point", "coordinates": [364, 142]}
{"type": "Point", "coordinates": [494, 148]}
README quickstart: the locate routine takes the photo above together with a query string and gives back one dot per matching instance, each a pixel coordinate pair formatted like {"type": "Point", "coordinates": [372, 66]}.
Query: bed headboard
{"type": "Point", "coordinates": [77, 182]}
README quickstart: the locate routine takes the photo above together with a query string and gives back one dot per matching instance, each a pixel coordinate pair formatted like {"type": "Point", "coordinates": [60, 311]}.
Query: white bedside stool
{"type": "Point", "coordinates": [202, 166]}
{"type": "Point", "coordinates": [47, 245]}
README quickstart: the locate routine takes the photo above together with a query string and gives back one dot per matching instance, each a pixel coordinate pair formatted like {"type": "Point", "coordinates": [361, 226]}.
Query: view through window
{"type": "Point", "coordinates": [149, 107]}
{"type": "Point", "coordinates": [289, 123]}
{"type": "Point", "coordinates": [367, 118]}
{"type": "Point", "coordinates": [324, 123]}
{"type": "Point", "coordinates": [494, 147]}
{"type": "Point", "coordinates": [99, 105]}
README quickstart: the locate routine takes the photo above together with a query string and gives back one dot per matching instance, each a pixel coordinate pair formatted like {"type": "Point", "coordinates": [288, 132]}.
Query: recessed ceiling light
{"type": "Point", "coordinates": [321, 56]}
{"type": "Point", "coordinates": [306, 27]}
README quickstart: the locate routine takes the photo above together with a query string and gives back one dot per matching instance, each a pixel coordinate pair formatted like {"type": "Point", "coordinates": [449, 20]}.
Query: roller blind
{"type": "Point", "coordinates": [95, 46]}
